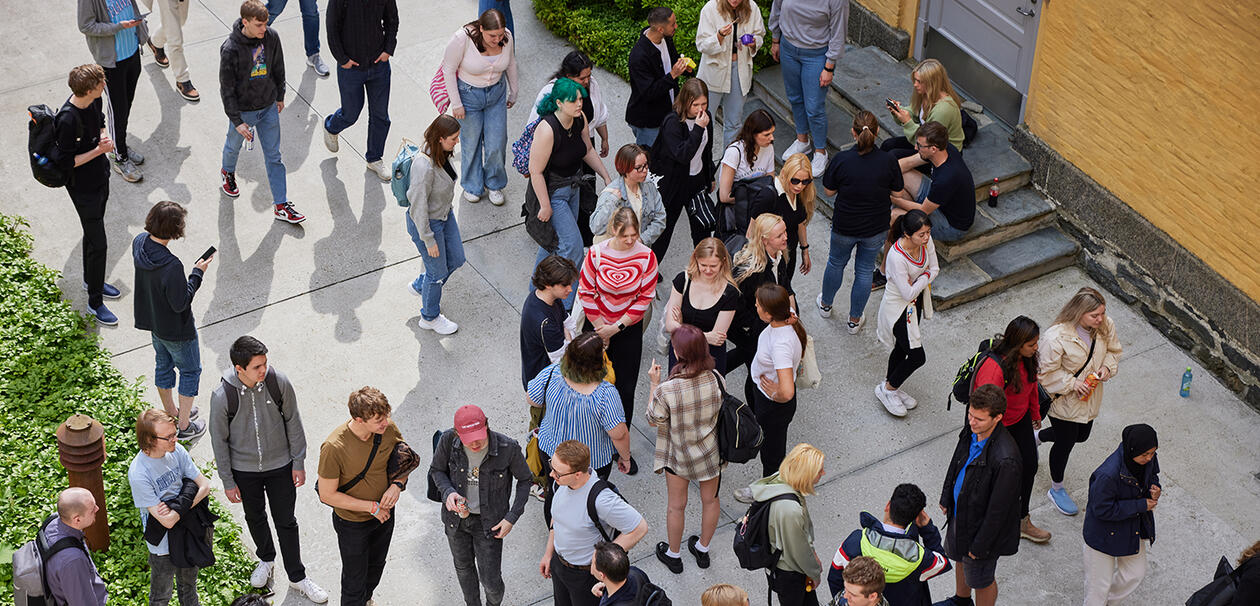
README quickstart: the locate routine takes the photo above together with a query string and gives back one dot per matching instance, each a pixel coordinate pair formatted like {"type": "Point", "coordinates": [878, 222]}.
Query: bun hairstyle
{"type": "Point", "coordinates": [867, 128]}
{"type": "Point", "coordinates": [908, 224]}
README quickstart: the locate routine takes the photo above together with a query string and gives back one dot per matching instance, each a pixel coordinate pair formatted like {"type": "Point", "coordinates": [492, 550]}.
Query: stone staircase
{"type": "Point", "coordinates": [1014, 242]}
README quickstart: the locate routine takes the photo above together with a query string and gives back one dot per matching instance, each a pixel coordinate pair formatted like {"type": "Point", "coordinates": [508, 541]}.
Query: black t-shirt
{"type": "Point", "coordinates": [792, 218]}
{"type": "Point", "coordinates": [954, 191]}
{"type": "Point", "coordinates": [862, 183]}
{"type": "Point", "coordinates": [542, 331]}
{"type": "Point", "coordinates": [704, 319]}
{"type": "Point", "coordinates": [567, 148]}
{"type": "Point", "coordinates": [79, 131]}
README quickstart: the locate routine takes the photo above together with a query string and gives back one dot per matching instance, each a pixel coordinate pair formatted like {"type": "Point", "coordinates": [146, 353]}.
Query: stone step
{"type": "Point", "coordinates": [999, 267]}
{"type": "Point", "coordinates": [1020, 212]}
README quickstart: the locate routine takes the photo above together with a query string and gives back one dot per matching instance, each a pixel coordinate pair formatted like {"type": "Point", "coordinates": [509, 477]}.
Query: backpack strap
{"type": "Point", "coordinates": [233, 399]}
{"type": "Point", "coordinates": [46, 552]}
{"type": "Point", "coordinates": [273, 387]}
{"type": "Point", "coordinates": [591, 497]}
{"type": "Point", "coordinates": [376, 445]}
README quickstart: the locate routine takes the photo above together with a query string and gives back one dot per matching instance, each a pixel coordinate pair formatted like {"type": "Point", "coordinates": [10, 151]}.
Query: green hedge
{"type": "Point", "coordinates": [51, 368]}
{"type": "Point", "coordinates": [606, 30]}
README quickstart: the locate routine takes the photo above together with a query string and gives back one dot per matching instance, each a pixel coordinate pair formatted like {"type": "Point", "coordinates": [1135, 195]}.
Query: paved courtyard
{"type": "Point", "coordinates": [330, 300]}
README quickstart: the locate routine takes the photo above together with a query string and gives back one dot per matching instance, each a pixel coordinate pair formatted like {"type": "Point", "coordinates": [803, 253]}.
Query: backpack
{"type": "Point", "coordinates": [41, 145]}
{"type": "Point", "coordinates": [969, 127]}
{"type": "Point", "coordinates": [30, 587]}
{"type": "Point", "coordinates": [600, 486]}
{"type": "Point", "coordinates": [651, 595]}
{"type": "Point", "coordinates": [965, 378]}
{"type": "Point", "coordinates": [402, 172]}
{"type": "Point", "coordinates": [738, 433]}
{"type": "Point", "coordinates": [520, 148]}
{"type": "Point", "coordinates": [752, 535]}
{"type": "Point", "coordinates": [752, 197]}
{"type": "Point", "coordinates": [1221, 590]}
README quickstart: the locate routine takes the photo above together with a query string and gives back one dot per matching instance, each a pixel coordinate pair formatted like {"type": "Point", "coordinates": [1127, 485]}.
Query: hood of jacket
{"type": "Point", "coordinates": [239, 38]}
{"type": "Point", "coordinates": [771, 486]}
{"type": "Point", "coordinates": [150, 255]}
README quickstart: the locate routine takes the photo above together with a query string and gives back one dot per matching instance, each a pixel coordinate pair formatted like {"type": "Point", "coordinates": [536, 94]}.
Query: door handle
{"type": "Point", "coordinates": [1026, 13]}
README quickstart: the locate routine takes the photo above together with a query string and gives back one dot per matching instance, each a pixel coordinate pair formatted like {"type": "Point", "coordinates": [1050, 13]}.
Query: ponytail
{"type": "Point", "coordinates": [866, 127]}
{"type": "Point", "coordinates": [907, 224]}
{"type": "Point", "coordinates": [776, 301]}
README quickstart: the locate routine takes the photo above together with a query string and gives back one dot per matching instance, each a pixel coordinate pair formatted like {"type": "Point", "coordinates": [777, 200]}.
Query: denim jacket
{"type": "Point", "coordinates": [503, 461]}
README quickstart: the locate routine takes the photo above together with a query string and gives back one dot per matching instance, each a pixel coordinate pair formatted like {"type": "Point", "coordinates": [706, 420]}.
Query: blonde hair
{"type": "Point", "coordinates": [724, 594]}
{"type": "Point", "coordinates": [808, 196]}
{"type": "Point", "coordinates": [620, 219]}
{"type": "Point", "coordinates": [800, 468]}
{"type": "Point", "coordinates": [752, 257]}
{"type": "Point", "coordinates": [935, 84]}
{"type": "Point", "coordinates": [1084, 301]}
{"type": "Point", "coordinates": [709, 248]}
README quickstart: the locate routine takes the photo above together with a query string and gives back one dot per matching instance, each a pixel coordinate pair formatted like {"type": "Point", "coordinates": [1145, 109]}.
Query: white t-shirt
{"type": "Point", "coordinates": [576, 535]}
{"type": "Point", "coordinates": [697, 161]}
{"type": "Point", "coordinates": [776, 348]}
{"type": "Point", "coordinates": [735, 158]}
{"type": "Point", "coordinates": [665, 62]}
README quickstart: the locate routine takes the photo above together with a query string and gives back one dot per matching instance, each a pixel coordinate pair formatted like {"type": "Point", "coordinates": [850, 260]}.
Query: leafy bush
{"type": "Point", "coordinates": [51, 368]}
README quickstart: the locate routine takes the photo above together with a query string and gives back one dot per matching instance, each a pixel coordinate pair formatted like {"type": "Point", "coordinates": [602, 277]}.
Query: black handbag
{"type": "Point", "coordinates": [700, 205]}
{"type": "Point", "coordinates": [1220, 591]}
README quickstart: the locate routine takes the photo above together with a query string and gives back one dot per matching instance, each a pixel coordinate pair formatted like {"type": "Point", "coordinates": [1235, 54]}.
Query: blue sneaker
{"type": "Point", "coordinates": [103, 315]}
{"type": "Point", "coordinates": [1062, 501]}
{"type": "Point", "coordinates": [110, 291]}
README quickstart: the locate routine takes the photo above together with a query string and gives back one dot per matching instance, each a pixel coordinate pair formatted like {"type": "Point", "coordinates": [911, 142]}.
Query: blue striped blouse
{"type": "Point", "coordinates": [574, 416]}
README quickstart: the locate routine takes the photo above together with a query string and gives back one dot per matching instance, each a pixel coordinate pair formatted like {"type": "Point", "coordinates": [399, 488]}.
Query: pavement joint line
{"type": "Point", "coordinates": [863, 466]}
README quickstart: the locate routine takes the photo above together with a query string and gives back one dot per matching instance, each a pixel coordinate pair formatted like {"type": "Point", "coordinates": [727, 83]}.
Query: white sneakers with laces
{"type": "Point", "coordinates": [385, 173]}
{"type": "Point", "coordinates": [439, 325]}
{"type": "Point", "coordinates": [262, 574]}
{"type": "Point", "coordinates": [797, 147]}
{"type": "Point", "coordinates": [308, 588]}
{"type": "Point", "coordinates": [889, 399]}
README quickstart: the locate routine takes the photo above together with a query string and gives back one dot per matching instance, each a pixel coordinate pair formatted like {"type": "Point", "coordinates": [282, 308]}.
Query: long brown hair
{"type": "Point", "coordinates": [776, 301]}
{"type": "Point", "coordinates": [1019, 331]}
{"type": "Point", "coordinates": [1249, 553]}
{"type": "Point", "coordinates": [867, 128]}
{"type": "Point", "coordinates": [442, 127]}
{"type": "Point", "coordinates": [738, 13]}
{"type": "Point", "coordinates": [759, 121]}
{"type": "Point", "coordinates": [491, 19]}
{"type": "Point", "coordinates": [691, 90]}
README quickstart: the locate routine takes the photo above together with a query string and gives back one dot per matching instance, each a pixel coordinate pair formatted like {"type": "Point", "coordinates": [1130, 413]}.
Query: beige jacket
{"type": "Point", "coordinates": [1061, 354]}
{"type": "Point", "coordinates": [715, 57]}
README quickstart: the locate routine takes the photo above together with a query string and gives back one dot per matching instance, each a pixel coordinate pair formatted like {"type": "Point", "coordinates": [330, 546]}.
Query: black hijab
{"type": "Point", "coordinates": [1137, 439]}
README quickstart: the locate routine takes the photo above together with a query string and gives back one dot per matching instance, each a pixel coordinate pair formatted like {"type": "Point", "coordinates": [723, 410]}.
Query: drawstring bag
{"type": "Point", "coordinates": [437, 92]}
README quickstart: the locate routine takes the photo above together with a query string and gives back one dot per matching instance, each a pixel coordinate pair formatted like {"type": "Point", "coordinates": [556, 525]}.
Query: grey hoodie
{"type": "Point", "coordinates": [790, 528]}
{"type": "Point", "coordinates": [259, 438]}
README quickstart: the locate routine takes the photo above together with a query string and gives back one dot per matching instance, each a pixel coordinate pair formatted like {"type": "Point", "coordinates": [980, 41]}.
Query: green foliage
{"type": "Point", "coordinates": [51, 368]}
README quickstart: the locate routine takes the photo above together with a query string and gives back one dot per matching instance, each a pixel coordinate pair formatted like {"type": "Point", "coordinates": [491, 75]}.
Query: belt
{"type": "Point", "coordinates": [586, 568]}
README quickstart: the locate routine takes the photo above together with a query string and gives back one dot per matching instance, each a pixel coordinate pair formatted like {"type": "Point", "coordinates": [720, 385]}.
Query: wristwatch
{"type": "Point", "coordinates": [621, 326]}
{"type": "Point", "coordinates": [399, 485]}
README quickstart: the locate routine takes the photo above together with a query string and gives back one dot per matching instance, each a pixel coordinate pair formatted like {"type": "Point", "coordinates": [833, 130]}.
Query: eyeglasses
{"type": "Point", "coordinates": [557, 476]}
{"type": "Point", "coordinates": [638, 167]}
{"type": "Point", "coordinates": [170, 438]}
{"type": "Point", "coordinates": [801, 181]}
{"type": "Point", "coordinates": [918, 145]}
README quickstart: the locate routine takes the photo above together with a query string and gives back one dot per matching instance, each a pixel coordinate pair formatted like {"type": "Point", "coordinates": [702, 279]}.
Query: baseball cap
{"type": "Point", "coordinates": [470, 423]}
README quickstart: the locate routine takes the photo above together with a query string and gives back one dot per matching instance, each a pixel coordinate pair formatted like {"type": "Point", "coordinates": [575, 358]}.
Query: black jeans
{"type": "Point", "coordinates": [673, 208]}
{"type": "Point", "coordinates": [364, 547]}
{"type": "Point", "coordinates": [89, 203]}
{"type": "Point", "coordinates": [571, 586]}
{"type": "Point", "coordinates": [1022, 432]}
{"type": "Point", "coordinates": [164, 577]}
{"type": "Point", "coordinates": [903, 361]}
{"type": "Point", "coordinates": [277, 486]}
{"type": "Point", "coordinates": [625, 351]}
{"type": "Point", "coordinates": [790, 587]}
{"type": "Point", "coordinates": [774, 418]}
{"type": "Point", "coordinates": [120, 87]}
{"type": "Point", "coordinates": [477, 556]}
{"type": "Point", "coordinates": [1065, 435]}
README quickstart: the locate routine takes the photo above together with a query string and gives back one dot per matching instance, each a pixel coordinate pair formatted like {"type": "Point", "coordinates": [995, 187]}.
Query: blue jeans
{"type": "Point", "coordinates": [732, 104]}
{"type": "Point", "coordinates": [436, 269]}
{"type": "Point", "coordinates": [266, 123]}
{"type": "Point", "coordinates": [374, 79]}
{"type": "Point", "coordinates": [310, 21]}
{"type": "Point", "coordinates": [801, 69]}
{"type": "Point", "coordinates": [833, 276]}
{"type": "Point", "coordinates": [564, 212]}
{"type": "Point", "coordinates": [644, 136]}
{"type": "Point", "coordinates": [483, 136]}
{"type": "Point", "coordinates": [184, 355]}
{"type": "Point", "coordinates": [504, 6]}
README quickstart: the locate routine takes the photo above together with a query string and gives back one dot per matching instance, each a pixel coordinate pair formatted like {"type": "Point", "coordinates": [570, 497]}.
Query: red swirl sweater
{"type": "Point", "coordinates": [614, 283]}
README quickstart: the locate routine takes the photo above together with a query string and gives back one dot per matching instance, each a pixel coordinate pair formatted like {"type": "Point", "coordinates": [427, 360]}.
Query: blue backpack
{"type": "Point", "coordinates": [520, 148]}
{"type": "Point", "coordinates": [402, 172]}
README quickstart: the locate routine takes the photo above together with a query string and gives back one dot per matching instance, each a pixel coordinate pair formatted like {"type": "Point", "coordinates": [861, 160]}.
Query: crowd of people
{"type": "Point", "coordinates": [594, 290]}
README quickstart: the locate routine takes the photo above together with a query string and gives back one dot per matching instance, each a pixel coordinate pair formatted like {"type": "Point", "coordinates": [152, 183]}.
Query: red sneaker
{"type": "Point", "coordinates": [285, 212]}
{"type": "Point", "coordinates": [229, 183]}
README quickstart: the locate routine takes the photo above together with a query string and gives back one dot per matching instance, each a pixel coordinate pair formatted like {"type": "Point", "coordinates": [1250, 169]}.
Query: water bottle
{"type": "Point", "coordinates": [1186, 377]}
{"type": "Point", "coordinates": [42, 161]}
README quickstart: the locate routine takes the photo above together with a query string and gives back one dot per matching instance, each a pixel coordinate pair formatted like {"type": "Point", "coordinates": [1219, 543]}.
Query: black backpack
{"type": "Point", "coordinates": [1220, 591]}
{"type": "Point", "coordinates": [600, 486]}
{"type": "Point", "coordinates": [651, 595]}
{"type": "Point", "coordinates": [41, 145]}
{"type": "Point", "coordinates": [273, 388]}
{"type": "Point", "coordinates": [752, 535]}
{"type": "Point", "coordinates": [965, 378]}
{"type": "Point", "coordinates": [752, 197]}
{"type": "Point", "coordinates": [738, 433]}
{"type": "Point", "coordinates": [969, 127]}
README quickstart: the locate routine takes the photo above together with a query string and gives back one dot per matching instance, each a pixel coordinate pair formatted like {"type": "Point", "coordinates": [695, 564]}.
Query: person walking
{"type": "Point", "coordinates": [1120, 517]}
{"type": "Point", "coordinates": [911, 266]}
{"type": "Point", "coordinates": [762, 260]}
{"type": "Point", "coordinates": [431, 222]}
{"type": "Point", "coordinates": [632, 190]}
{"type": "Point", "coordinates": [167, 44]}
{"type": "Point", "coordinates": [70, 575]}
{"type": "Point", "coordinates": [728, 36]}
{"type": "Point", "coordinates": [798, 574]}
{"type": "Point", "coordinates": [808, 41]}
{"type": "Point", "coordinates": [795, 205]}
{"type": "Point", "coordinates": [654, 66]}
{"type": "Point", "coordinates": [362, 37]}
{"type": "Point", "coordinates": [543, 331]}
{"type": "Point", "coordinates": [114, 32]}
{"type": "Point", "coordinates": [478, 57]}
{"type": "Point", "coordinates": [704, 295]}
{"type": "Point", "coordinates": [1082, 343]}
{"type": "Point", "coordinates": [503, 6]}
{"type": "Point", "coordinates": [683, 157]}
{"type": "Point", "coordinates": [684, 410]}
{"type": "Point", "coordinates": [310, 31]}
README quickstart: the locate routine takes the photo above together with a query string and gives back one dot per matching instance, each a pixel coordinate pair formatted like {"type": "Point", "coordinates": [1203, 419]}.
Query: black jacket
{"type": "Point", "coordinates": [251, 72]}
{"type": "Point", "coordinates": [192, 537]}
{"type": "Point", "coordinates": [650, 83]}
{"type": "Point", "coordinates": [985, 522]}
{"type": "Point", "coordinates": [747, 325]}
{"type": "Point", "coordinates": [503, 462]}
{"type": "Point", "coordinates": [163, 296]}
{"type": "Point", "coordinates": [364, 32]}
{"type": "Point", "coordinates": [672, 152]}
{"type": "Point", "coordinates": [1116, 515]}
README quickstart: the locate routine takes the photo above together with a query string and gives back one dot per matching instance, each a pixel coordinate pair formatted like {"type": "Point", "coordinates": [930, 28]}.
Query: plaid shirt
{"type": "Point", "coordinates": [685, 412]}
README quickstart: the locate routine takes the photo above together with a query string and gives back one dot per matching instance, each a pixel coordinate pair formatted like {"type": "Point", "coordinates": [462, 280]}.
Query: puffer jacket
{"type": "Point", "coordinates": [1062, 353]}
{"type": "Point", "coordinates": [503, 461]}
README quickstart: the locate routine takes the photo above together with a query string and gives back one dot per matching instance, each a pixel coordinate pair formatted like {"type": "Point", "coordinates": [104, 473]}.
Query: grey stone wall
{"type": "Point", "coordinates": [867, 29]}
{"type": "Point", "coordinates": [1141, 265]}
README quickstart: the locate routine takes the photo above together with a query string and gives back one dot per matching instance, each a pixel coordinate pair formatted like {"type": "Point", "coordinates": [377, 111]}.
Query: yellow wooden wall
{"type": "Point", "coordinates": [897, 13]}
{"type": "Point", "coordinates": [1160, 103]}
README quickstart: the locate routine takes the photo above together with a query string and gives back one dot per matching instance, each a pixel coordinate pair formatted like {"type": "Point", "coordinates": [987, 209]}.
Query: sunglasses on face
{"type": "Point", "coordinates": [801, 181]}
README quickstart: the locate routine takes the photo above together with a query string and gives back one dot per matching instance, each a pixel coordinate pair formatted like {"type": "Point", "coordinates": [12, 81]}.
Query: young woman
{"type": "Point", "coordinates": [683, 157]}
{"type": "Point", "coordinates": [795, 205]}
{"type": "Point", "coordinates": [617, 284]}
{"type": "Point", "coordinates": [1249, 576]}
{"type": "Point", "coordinates": [812, 37]}
{"type": "Point", "coordinates": [543, 331]}
{"type": "Point", "coordinates": [861, 178]}
{"type": "Point", "coordinates": [684, 410]}
{"type": "Point", "coordinates": [797, 576]}
{"type": "Point", "coordinates": [475, 61]}
{"type": "Point", "coordinates": [704, 296]}
{"type": "Point", "coordinates": [749, 156]}
{"type": "Point", "coordinates": [761, 261]}
{"type": "Point", "coordinates": [630, 190]}
{"type": "Point", "coordinates": [910, 266]}
{"type": "Point", "coordinates": [771, 384]}
{"type": "Point", "coordinates": [933, 99]}
{"type": "Point", "coordinates": [431, 224]}
{"type": "Point", "coordinates": [727, 55]}
{"type": "Point", "coordinates": [1081, 344]}
{"type": "Point", "coordinates": [1120, 517]}
{"type": "Point", "coordinates": [1013, 367]}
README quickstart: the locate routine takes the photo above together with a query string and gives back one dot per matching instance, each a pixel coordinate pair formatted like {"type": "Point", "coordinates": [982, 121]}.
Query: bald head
{"type": "Point", "coordinates": [77, 507]}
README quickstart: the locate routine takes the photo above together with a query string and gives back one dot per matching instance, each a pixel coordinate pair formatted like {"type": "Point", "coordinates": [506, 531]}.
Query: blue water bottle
{"type": "Point", "coordinates": [41, 160]}
{"type": "Point", "coordinates": [1186, 377]}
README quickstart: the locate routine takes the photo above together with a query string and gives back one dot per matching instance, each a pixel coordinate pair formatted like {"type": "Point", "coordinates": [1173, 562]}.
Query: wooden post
{"type": "Point", "coordinates": [81, 445]}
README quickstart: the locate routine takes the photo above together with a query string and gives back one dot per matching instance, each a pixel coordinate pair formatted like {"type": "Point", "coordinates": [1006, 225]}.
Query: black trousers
{"type": "Point", "coordinates": [743, 344]}
{"type": "Point", "coordinates": [1022, 432]}
{"type": "Point", "coordinates": [277, 486]}
{"type": "Point", "coordinates": [364, 547]}
{"type": "Point", "coordinates": [674, 206]}
{"type": "Point", "coordinates": [89, 203]}
{"type": "Point", "coordinates": [774, 418]}
{"type": "Point", "coordinates": [1064, 435]}
{"type": "Point", "coordinates": [587, 201]}
{"type": "Point", "coordinates": [120, 87]}
{"type": "Point", "coordinates": [625, 351]}
{"type": "Point", "coordinates": [571, 586]}
{"type": "Point", "coordinates": [790, 587]}
{"type": "Point", "coordinates": [903, 360]}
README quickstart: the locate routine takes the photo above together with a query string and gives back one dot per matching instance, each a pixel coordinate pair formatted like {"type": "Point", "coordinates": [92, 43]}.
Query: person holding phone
{"type": "Point", "coordinates": [933, 100]}
{"type": "Point", "coordinates": [114, 35]}
{"type": "Point", "coordinates": [728, 36]}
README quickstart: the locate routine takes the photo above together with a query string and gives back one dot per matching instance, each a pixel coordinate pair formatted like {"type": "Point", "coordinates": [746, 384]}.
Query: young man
{"type": "Point", "coordinates": [167, 44]}
{"type": "Point", "coordinates": [362, 511]}
{"type": "Point", "coordinates": [543, 330]}
{"type": "Point", "coordinates": [473, 468]}
{"type": "Point", "coordinates": [251, 81]}
{"type": "Point", "coordinates": [82, 143]}
{"type": "Point", "coordinates": [949, 189]}
{"type": "Point", "coordinates": [906, 542]}
{"type": "Point", "coordinates": [864, 583]}
{"type": "Point", "coordinates": [164, 308]}
{"type": "Point", "coordinates": [619, 582]}
{"type": "Point", "coordinates": [310, 31]}
{"type": "Point", "coordinates": [70, 573]}
{"type": "Point", "coordinates": [156, 475]}
{"type": "Point", "coordinates": [654, 70]}
{"type": "Point", "coordinates": [260, 451]}
{"type": "Point", "coordinates": [114, 33]}
{"type": "Point", "coordinates": [362, 38]}
{"type": "Point", "coordinates": [981, 499]}
{"type": "Point", "coordinates": [571, 542]}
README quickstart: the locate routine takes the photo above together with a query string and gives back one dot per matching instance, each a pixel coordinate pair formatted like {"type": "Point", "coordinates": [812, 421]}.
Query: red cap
{"type": "Point", "coordinates": [470, 424]}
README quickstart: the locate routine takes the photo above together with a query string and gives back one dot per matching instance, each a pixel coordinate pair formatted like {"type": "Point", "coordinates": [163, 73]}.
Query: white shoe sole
{"type": "Point", "coordinates": [883, 397]}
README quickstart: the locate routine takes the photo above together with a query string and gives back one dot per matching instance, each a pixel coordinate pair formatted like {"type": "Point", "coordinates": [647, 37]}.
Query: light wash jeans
{"type": "Point", "coordinates": [801, 69]}
{"type": "Point", "coordinates": [564, 213]}
{"type": "Point", "coordinates": [310, 21]}
{"type": "Point", "coordinates": [266, 123]}
{"type": "Point", "coordinates": [645, 136]}
{"type": "Point", "coordinates": [833, 276]}
{"type": "Point", "coordinates": [184, 355]}
{"type": "Point", "coordinates": [436, 269]}
{"type": "Point", "coordinates": [732, 105]}
{"type": "Point", "coordinates": [483, 137]}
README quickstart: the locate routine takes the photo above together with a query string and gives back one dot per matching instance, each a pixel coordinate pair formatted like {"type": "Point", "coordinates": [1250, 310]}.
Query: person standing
{"type": "Point", "coordinates": [980, 499]}
{"type": "Point", "coordinates": [619, 583]}
{"type": "Point", "coordinates": [114, 32]}
{"type": "Point", "coordinates": [167, 44]}
{"type": "Point", "coordinates": [863, 583]}
{"type": "Point", "coordinates": [762, 260]}
{"type": "Point", "coordinates": [683, 157]}
{"type": "Point", "coordinates": [503, 6]}
{"type": "Point", "coordinates": [430, 222]}
{"type": "Point", "coordinates": [728, 36]}
{"type": "Point", "coordinates": [798, 574]}
{"type": "Point", "coordinates": [795, 205]}
{"type": "Point", "coordinates": [251, 82]}
{"type": "Point", "coordinates": [70, 574]}
{"type": "Point", "coordinates": [473, 469]}
{"type": "Point", "coordinates": [362, 37]}
{"type": "Point", "coordinates": [704, 295]}
{"type": "Point", "coordinates": [310, 31]}
{"type": "Point", "coordinates": [911, 265]}
{"type": "Point", "coordinates": [724, 594]}
{"type": "Point", "coordinates": [543, 333]}
{"type": "Point", "coordinates": [631, 189]}
{"type": "Point", "coordinates": [654, 66]}
{"type": "Point", "coordinates": [1120, 517]}
{"type": "Point", "coordinates": [164, 308]}
{"type": "Point", "coordinates": [260, 451]}
{"type": "Point", "coordinates": [808, 41]}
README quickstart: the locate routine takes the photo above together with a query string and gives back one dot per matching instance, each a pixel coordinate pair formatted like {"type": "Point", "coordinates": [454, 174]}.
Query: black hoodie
{"type": "Point", "coordinates": [251, 72]}
{"type": "Point", "coordinates": [163, 297]}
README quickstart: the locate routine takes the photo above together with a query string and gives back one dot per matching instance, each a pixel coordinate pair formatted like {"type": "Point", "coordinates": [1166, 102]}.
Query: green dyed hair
{"type": "Point", "coordinates": [563, 90]}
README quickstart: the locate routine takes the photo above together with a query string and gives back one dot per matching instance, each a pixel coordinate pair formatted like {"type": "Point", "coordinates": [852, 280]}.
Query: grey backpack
{"type": "Point", "coordinates": [30, 588]}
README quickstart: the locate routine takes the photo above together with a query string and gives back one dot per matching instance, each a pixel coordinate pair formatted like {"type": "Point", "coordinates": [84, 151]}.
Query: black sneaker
{"type": "Point", "coordinates": [674, 565]}
{"type": "Point", "coordinates": [878, 280]}
{"type": "Point", "coordinates": [954, 600]}
{"type": "Point", "coordinates": [702, 557]}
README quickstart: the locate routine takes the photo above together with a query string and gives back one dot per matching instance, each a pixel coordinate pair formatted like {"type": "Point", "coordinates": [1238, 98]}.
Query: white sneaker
{"type": "Point", "coordinates": [819, 163]}
{"type": "Point", "coordinates": [313, 592]}
{"type": "Point", "coordinates": [439, 325]}
{"type": "Point", "coordinates": [496, 197]}
{"type": "Point", "coordinates": [890, 401]}
{"type": "Point", "coordinates": [797, 147]}
{"type": "Point", "coordinates": [384, 172]}
{"type": "Point", "coordinates": [317, 64]}
{"type": "Point", "coordinates": [823, 310]}
{"type": "Point", "coordinates": [331, 141]}
{"type": "Point", "coordinates": [854, 327]}
{"type": "Point", "coordinates": [471, 198]}
{"type": "Point", "coordinates": [262, 574]}
{"type": "Point", "coordinates": [906, 399]}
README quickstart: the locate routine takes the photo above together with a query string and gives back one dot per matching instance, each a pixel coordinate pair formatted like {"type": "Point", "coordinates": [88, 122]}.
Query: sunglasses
{"type": "Point", "coordinates": [801, 181]}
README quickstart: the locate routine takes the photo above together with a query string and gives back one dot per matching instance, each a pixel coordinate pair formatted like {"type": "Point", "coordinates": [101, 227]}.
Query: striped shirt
{"type": "Point", "coordinates": [574, 416]}
{"type": "Point", "coordinates": [616, 283]}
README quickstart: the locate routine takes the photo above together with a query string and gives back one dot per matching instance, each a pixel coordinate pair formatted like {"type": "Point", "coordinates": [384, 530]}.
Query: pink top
{"type": "Point", "coordinates": [462, 60]}
{"type": "Point", "coordinates": [614, 283]}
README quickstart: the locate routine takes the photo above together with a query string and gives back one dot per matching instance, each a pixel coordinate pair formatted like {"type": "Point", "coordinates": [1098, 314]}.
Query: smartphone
{"type": "Point", "coordinates": [144, 16]}
{"type": "Point", "coordinates": [890, 103]}
{"type": "Point", "coordinates": [206, 255]}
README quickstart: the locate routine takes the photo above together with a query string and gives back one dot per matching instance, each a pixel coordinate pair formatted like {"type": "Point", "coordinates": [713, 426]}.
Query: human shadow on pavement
{"type": "Point", "coordinates": [351, 250]}
{"type": "Point", "coordinates": [243, 285]}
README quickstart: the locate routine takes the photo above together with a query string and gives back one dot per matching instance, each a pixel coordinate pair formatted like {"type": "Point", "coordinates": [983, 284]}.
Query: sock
{"type": "Point", "coordinates": [1056, 485]}
{"type": "Point", "coordinates": [702, 548]}
{"type": "Point", "coordinates": [673, 554]}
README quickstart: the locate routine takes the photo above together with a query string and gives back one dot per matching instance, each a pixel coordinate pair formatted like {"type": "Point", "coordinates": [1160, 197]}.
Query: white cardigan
{"type": "Point", "coordinates": [906, 279]}
{"type": "Point", "coordinates": [715, 60]}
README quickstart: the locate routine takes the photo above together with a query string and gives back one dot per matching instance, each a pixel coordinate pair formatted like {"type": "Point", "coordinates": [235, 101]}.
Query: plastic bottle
{"type": "Point", "coordinates": [1186, 377]}
{"type": "Point", "coordinates": [42, 161]}
{"type": "Point", "coordinates": [993, 193]}
{"type": "Point", "coordinates": [1092, 380]}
